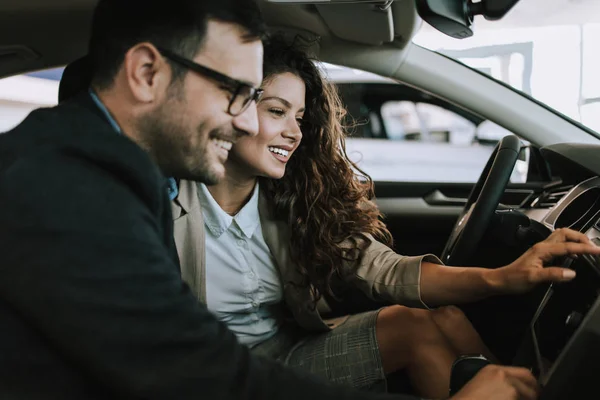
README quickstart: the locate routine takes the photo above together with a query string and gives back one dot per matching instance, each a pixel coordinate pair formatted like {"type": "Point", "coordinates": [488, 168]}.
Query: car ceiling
{"type": "Point", "coordinates": [40, 34]}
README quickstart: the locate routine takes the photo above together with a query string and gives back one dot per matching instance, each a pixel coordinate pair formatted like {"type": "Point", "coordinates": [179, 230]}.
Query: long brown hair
{"type": "Point", "coordinates": [324, 197]}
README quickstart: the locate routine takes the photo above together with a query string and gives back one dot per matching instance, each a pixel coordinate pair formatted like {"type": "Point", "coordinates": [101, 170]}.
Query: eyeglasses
{"type": "Point", "coordinates": [243, 94]}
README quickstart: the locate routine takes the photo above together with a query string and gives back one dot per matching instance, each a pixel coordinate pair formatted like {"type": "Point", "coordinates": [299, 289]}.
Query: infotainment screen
{"type": "Point", "coordinates": [559, 315]}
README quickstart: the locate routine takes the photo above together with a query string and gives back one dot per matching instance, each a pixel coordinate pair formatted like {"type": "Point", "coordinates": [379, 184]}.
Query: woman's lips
{"type": "Point", "coordinates": [279, 157]}
{"type": "Point", "coordinates": [280, 153]}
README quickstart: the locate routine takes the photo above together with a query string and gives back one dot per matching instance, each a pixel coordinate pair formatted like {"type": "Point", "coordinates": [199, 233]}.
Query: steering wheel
{"type": "Point", "coordinates": [482, 202]}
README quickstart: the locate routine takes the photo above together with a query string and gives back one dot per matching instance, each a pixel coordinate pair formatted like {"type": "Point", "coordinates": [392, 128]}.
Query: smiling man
{"type": "Point", "coordinates": [92, 305]}
{"type": "Point", "coordinates": [187, 122]}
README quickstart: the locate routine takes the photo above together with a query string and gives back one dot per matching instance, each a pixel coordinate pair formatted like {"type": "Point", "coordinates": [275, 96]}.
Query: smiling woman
{"type": "Point", "coordinates": [293, 220]}
{"type": "Point", "coordinates": [280, 116]}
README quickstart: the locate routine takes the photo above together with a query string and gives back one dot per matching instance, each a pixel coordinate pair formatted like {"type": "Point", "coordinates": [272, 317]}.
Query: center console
{"type": "Point", "coordinates": [562, 343]}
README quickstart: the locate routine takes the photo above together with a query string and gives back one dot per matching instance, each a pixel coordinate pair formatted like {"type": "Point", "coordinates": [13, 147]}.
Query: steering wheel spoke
{"type": "Point", "coordinates": [482, 203]}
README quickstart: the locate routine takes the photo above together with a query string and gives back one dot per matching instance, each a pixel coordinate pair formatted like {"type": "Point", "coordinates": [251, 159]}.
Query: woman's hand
{"type": "Point", "coordinates": [456, 285]}
{"type": "Point", "coordinates": [528, 270]}
{"type": "Point", "coordinates": [500, 383]}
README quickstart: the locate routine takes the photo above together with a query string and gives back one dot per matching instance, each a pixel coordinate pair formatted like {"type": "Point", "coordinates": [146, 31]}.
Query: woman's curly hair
{"type": "Point", "coordinates": [324, 197]}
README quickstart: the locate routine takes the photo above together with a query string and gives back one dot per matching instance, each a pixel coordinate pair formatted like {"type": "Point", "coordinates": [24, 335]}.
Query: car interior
{"type": "Point", "coordinates": [555, 329]}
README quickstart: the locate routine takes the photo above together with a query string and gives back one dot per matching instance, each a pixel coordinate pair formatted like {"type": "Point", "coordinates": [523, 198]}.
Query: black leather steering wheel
{"type": "Point", "coordinates": [482, 203]}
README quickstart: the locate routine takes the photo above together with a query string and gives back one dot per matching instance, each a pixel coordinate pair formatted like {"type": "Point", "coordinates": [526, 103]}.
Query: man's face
{"type": "Point", "coordinates": [190, 133]}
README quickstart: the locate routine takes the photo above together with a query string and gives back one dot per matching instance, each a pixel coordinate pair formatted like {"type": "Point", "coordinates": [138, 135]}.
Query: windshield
{"type": "Point", "coordinates": [549, 49]}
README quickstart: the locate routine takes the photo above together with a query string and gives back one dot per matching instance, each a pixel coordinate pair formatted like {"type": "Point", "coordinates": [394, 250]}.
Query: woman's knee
{"type": "Point", "coordinates": [409, 325]}
{"type": "Point", "coordinates": [449, 316]}
{"type": "Point", "coordinates": [406, 334]}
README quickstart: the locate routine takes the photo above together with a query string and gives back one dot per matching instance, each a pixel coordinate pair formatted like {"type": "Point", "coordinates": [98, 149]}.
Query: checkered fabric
{"type": "Point", "coordinates": [348, 354]}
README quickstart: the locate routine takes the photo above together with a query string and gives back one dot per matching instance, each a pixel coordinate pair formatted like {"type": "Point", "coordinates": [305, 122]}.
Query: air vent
{"type": "Point", "coordinates": [550, 197]}
{"type": "Point", "coordinates": [579, 211]}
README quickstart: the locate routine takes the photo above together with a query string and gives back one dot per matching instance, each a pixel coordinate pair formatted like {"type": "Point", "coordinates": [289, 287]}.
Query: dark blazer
{"type": "Point", "coordinates": [92, 305]}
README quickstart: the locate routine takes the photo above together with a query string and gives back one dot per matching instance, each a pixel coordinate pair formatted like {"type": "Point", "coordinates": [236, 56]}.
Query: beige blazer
{"type": "Point", "coordinates": [382, 274]}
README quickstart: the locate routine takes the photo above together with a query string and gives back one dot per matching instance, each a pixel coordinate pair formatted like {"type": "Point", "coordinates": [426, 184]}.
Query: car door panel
{"type": "Point", "coordinates": [420, 216]}
{"type": "Point", "coordinates": [418, 227]}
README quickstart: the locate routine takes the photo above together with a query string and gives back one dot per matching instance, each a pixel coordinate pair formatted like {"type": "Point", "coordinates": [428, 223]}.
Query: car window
{"type": "Point", "coordinates": [21, 94]}
{"type": "Point", "coordinates": [422, 122]}
{"type": "Point", "coordinates": [397, 133]}
{"type": "Point", "coordinates": [401, 134]}
{"type": "Point", "coordinates": [550, 54]}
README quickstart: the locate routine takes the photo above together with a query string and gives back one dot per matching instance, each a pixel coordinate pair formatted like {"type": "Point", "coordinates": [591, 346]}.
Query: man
{"type": "Point", "coordinates": [91, 300]}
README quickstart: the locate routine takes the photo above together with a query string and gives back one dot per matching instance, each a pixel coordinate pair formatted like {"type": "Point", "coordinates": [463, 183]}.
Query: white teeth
{"type": "Point", "coordinates": [223, 144]}
{"type": "Point", "coordinates": [279, 151]}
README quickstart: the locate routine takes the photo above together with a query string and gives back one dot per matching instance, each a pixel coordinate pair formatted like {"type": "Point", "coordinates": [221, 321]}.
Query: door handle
{"type": "Point", "coordinates": [437, 198]}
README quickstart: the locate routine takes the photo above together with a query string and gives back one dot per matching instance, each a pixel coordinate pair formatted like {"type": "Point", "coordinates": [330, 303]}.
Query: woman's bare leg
{"type": "Point", "coordinates": [410, 340]}
{"type": "Point", "coordinates": [465, 340]}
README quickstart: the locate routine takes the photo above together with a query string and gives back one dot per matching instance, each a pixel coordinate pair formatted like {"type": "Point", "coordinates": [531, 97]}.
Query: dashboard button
{"type": "Point", "coordinates": [574, 320]}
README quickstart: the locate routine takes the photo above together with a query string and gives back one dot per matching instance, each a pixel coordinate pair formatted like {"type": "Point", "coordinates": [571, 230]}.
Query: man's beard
{"type": "Point", "coordinates": [167, 140]}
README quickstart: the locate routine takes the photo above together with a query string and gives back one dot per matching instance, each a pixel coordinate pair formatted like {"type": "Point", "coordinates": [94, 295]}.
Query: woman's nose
{"type": "Point", "coordinates": [294, 131]}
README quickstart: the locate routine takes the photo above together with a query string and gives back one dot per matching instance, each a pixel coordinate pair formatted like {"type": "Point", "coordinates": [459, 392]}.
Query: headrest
{"type": "Point", "coordinates": [76, 78]}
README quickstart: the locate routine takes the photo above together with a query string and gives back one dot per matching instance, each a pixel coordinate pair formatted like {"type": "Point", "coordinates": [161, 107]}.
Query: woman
{"type": "Point", "coordinates": [292, 217]}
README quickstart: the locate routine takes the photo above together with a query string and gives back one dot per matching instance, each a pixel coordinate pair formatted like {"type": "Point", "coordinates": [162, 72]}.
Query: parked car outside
{"type": "Point", "coordinates": [403, 134]}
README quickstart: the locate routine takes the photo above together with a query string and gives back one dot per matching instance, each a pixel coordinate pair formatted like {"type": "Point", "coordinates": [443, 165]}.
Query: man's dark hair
{"type": "Point", "coordinates": [178, 25]}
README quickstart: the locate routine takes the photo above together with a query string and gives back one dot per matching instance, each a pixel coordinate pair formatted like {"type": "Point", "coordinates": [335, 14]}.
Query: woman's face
{"type": "Point", "coordinates": [280, 112]}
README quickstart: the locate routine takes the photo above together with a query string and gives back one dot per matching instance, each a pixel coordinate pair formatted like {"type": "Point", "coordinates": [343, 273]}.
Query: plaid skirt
{"type": "Point", "coordinates": [348, 354]}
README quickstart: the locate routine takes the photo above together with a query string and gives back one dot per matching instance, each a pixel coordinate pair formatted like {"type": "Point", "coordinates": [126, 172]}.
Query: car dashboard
{"type": "Point", "coordinates": [562, 342]}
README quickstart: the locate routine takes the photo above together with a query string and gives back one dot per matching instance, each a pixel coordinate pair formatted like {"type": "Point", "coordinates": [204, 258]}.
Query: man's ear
{"type": "Point", "coordinates": [147, 72]}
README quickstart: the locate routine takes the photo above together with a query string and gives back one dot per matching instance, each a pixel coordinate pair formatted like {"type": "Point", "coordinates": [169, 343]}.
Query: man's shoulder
{"type": "Point", "coordinates": [63, 150]}
{"type": "Point", "coordinates": [75, 132]}
{"type": "Point", "coordinates": [74, 123]}
{"type": "Point", "coordinates": [60, 120]}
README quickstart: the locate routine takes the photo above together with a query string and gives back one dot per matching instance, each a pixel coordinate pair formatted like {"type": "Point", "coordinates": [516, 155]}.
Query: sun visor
{"type": "Point", "coordinates": [365, 22]}
{"type": "Point", "coordinates": [368, 23]}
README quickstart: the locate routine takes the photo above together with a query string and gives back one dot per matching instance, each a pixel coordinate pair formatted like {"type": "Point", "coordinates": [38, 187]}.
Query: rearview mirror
{"type": "Point", "coordinates": [451, 17]}
{"type": "Point", "coordinates": [455, 17]}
